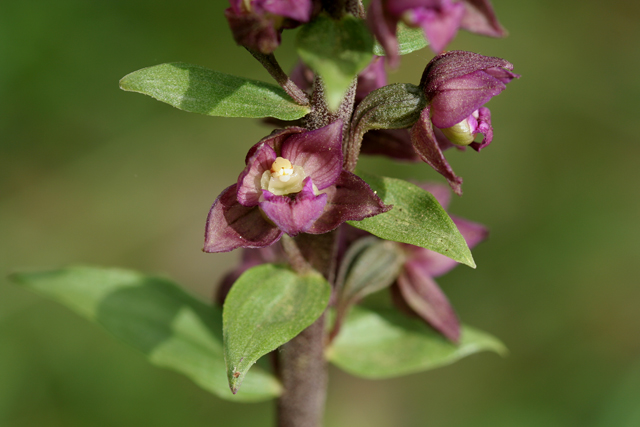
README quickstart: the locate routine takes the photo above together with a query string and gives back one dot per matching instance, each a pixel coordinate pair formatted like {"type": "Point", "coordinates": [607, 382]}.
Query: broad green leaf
{"type": "Point", "coordinates": [416, 218]}
{"type": "Point", "coordinates": [337, 51]}
{"type": "Point", "coordinates": [409, 40]}
{"type": "Point", "coordinates": [267, 307]}
{"type": "Point", "coordinates": [201, 90]}
{"type": "Point", "coordinates": [172, 328]}
{"type": "Point", "coordinates": [385, 343]}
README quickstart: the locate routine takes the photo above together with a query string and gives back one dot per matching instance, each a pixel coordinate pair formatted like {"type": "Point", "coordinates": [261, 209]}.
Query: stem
{"type": "Point", "coordinates": [270, 63]}
{"type": "Point", "coordinates": [321, 115]}
{"type": "Point", "coordinates": [302, 366]}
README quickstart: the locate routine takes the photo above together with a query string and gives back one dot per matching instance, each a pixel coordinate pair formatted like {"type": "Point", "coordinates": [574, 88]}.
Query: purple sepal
{"type": "Point", "coordinates": [231, 225]}
{"type": "Point", "coordinates": [371, 78]}
{"type": "Point", "coordinates": [480, 18]}
{"type": "Point", "coordinates": [254, 31]}
{"type": "Point", "coordinates": [318, 152]}
{"type": "Point", "coordinates": [384, 28]}
{"type": "Point", "coordinates": [472, 232]}
{"type": "Point", "coordinates": [426, 145]}
{"type": "Point", "coordinates": [394, 143]}
{"type": "Point", "coordinates": [275, 140]}
{"type": "Point", "coordinates": [249, 190]}
{"type": "Point", "coordinates": [300, 10]}
{"type": "Point", "coordinates": [294, 215]}
{"type": "Point", "coordinates": [440, 24]}
{"type": "Point", "coordinates": [485, 128]}
{"type": "Point", "coordinates": [351, 199]}
{"type": "Point", "coordinates": [427, 300]}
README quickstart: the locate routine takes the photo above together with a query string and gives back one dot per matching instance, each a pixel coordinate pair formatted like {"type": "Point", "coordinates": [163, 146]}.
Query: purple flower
{"type": "Point", "coordinates": [456, 85]}
{"type": "Point", "coordinates": [416, 291]}
{"type": "Point", "coordinates": [256, 24]}
{"type": "Point", "coordinates": [440, 20]}
{"type": "Point", "coordinates": [293, 182]}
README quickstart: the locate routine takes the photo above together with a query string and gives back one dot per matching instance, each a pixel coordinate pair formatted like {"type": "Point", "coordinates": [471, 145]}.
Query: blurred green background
{"type": "Point", "coordinates": [90, 174]}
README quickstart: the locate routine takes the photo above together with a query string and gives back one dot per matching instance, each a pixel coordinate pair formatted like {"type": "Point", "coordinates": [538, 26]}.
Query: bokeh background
{"type": "Point", "coordinates": [90, 174]}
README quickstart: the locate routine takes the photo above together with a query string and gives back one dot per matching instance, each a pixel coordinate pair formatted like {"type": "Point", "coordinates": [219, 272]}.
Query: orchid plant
{"type": "Point", "coordinates": [318, 236]}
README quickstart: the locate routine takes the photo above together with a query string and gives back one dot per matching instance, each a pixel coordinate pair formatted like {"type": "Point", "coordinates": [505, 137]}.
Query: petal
{"type": "Point", "coordinates": [231, 225]}
{"type": "Point", "coordinates": [424, 296]}
{"type": "Point", "coordinates": [480, 18]}
{"type": "Point", "coordinates": [249, 189]}
{"type": "Point", "coordinates": [253, 31]}
{"type": "Point", "coordinates": [439, 191]}
{"type": "Point", "coordinates": [472, 232]}
{"type": "Point", "coordinates": [371, 78]}
{"type": "Point", "coordinates": [454, 64]}
{"type": "Point", "coordinates": [297, 215]}
{"type": "Point", "coordinates": [485, 128]}
{"type": "Point", "coordinates": [319, 152]}
{"type": "Point", "coordinates": [394, 143]}
{"type": "Point", "coordinates": [302, 76]}
{"type": "Point", "coordinates": [351, 199]}
{"type": "Point", "coordinates": [426, 145]}
{"type": "Point", "coordinates": [458, 98]}
{"type": "Point", "coordinates": [300, 10]}
{"type": "Point", "coordinates": [275, 140]}
{"type": "Point", "coordinates": [384, 27]}
{"type": "Point", "coordinates": [399, 7]}
{"type": "Point", "coordinates": [440, 25]}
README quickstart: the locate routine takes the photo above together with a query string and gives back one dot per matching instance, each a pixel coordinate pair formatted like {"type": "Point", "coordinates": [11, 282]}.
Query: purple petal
{"type": "Point", "coordinates": [440, 25]}
{"type": "Point", "coordinates": [253, 31]}
{"type": "Point", "coordinates": [480, 18]}
{"type": "Point", "coordinates": [294, 215]}
{"type": "Point", "coordinates": [231, 225]}
{"type": "Point", "coordinates": [319, 152]}
{"type": "Point", "coordinates": [275, 140]}
{"type": "Point", "coordinates": [472, 232]}
{"type": "Point", "coordinates": [300, 10]}
{"type": "Point", "coordinates": [426, 145]}
{"type": "Point", "coordinates": [458, 98]}
{"type": "Point", "coordinates": [424, 296]}
{"type": "Point", "coordinates": [439, 191]}
{"type": "Point", "coordinates": [454, 64]}
{"type": "Point", "coordinates": [485, 128]}
{"type": "Point", "coordinates": [371, 78]}
{"type": "Point", "coordinates": [302, 76]}
{"type": "Point", "coordinates": [249, 189]}
{"type": "Point", "coordinates": [351, 199]}
{"type": "Point", "coordinates": [394, 143]}
{"type": "Point", "coordinates": [384, 28]}
{"type": "Point", "coordinates": [399, 7]}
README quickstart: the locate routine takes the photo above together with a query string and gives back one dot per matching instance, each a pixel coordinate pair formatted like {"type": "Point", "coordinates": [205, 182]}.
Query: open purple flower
{"type": "Point", "coordinates": [418, 291]}
{"type": "Point", "coordinates": [456, 85]}
{"type": "Point", "coordinates": [440, 20]}
{"type": "Point", "coordinates": [293, 183]}
{"type": "Point", "coordinates": [256, 24]}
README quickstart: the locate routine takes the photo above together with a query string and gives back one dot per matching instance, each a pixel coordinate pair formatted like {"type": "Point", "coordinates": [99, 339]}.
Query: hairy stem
{"type": "Point", "coordinates": [301, 365]}
{"type": "Point", "coordinates": [270, 63]}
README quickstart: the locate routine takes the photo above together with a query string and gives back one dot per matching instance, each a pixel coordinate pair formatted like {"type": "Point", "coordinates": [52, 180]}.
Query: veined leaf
{"type": "Point", "coordinates": [267, 307]}
{"type": "Point", "coordinates": [384, 343]}
{"type": "Point", "coordinates": [172, 328]}
{"type": "Point", "coordinates": [416, 218]}
{"type": "Point", "coordinates": [201, 90]}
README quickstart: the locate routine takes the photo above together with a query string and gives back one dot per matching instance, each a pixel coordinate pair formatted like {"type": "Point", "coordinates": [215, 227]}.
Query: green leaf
{"type": "Point", "coordinates": [200, 90]}
{"type": "Point", "coordinates": [337, 51]}
{"type": "Point", "coordinates": [385, 343]}
{"type": "Point", "coordinates": [172, 328]}
{"type": "Point", "coordinates": [409, 40]}
{"type": "Point", "coordinates": [416, 218]}
{"type": "Point", "coordinates": [267, 307]}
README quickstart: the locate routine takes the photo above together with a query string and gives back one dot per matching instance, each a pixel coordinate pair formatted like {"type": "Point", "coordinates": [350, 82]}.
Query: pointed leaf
{"type": "Point", "coordinates": [337, 51]}
{"type": "Point", "coordinates": [267, 307]}
{"type": "Point", "coordinates": [172, 328]}
{"type": "Point", "coordinates": [409, 40]}
{"type": "Point", "coordinates": [384, 343]}
{"type": "Point", "coordinates": [201, 90]}
{"type": "Point", "coordinates": [416, 218]}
